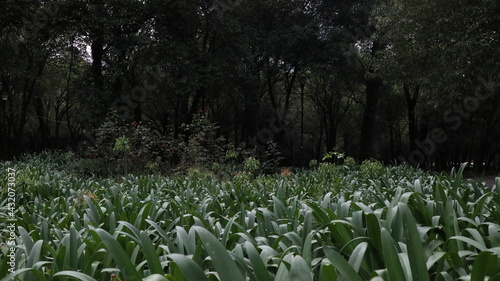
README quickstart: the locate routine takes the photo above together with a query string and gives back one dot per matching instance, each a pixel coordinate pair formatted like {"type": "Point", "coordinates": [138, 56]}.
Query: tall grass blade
{"type": "Point", "coordinates": [327, 271]}
{"type": "Point", "coordinates": [155, 277]}
{"type": "Point", "coordinates": [191, 270]}
{"type": "Point", "coordinates": [391, 258]}
{"type": "Point", "coordinates": [151, 255]}
{"type": "Point", "coordinates": [75, 275]}
{"type": "Point", "coordinates": [119, 255]}
{"type": "Point", "coordinates": [14, 275]}
{"type": "Point", "coordinates": [342, 266]}
{"type": "Point", "coordinates": [258, 265]}
{"type": "Point", "coordinates": [224, 264]}
{"type": "Point", "coordinates": [416, 252]}
{"type": "Point", "coordinates": [300, 270]}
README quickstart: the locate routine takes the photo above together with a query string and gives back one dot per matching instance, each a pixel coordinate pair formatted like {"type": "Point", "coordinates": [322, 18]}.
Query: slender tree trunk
{"type": "Point", "coordinates": [391, 142]}
{"type": "Point", "coordinates": [331, 136]}
{"type": "Point", "coordinates": [367, 144]}
{"type": "Point", "coordinates": [411, 104]}
{"type": "Point", "coordinates": [97, 50]}
{"type": "Point", "coordinates": [42, 122]}
{"type": "Point", "coordinates": [251, 113]}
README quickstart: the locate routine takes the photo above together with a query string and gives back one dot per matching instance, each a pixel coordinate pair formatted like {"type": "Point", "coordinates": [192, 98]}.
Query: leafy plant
{"type": "Point", "coordinates": [350, 163]}
{"type": "Point", "coordinates": [251, 165]}
{"type": "Point", "coordinates": [122, 146]}
{"type": "Point", "coordinates": [371, 168]}
{"type": "Point", "coordinates": [313, 163]}
{"type": "Point", "coordinates": [327, 224]}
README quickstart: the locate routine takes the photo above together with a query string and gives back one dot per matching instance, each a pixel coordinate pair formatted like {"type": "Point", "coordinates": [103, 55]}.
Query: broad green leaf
{"type": "Point", "coordinates": [470, 242]}
{"type": "Point", "coordinates": [300, 270]}
{"type": "Point", "coordinates": [391, 258]}
{"type": "Point", "coordinates": [191, 270]}
{"type": "Point", "coordinates": [38, 274]}
{"type": "Point", "coordinates": [327, 271]}
{"type": "Point", "coordinates": [75, 275]}
{"type": "Point", "coordinates": [119, 255]}
{"type": "Point", "coordinates": [416, 254]}
{"type": "Point", "coordinates": [435, 257]}
{"type": "Point", "coordinates": [307, 253]}
{"type": "Point", "coordinates": [258, 265]}
{"type": "Point", "coordinates": [283, 273]}
{"type": "Point", "coordinates": [485, 263]}
{"type": "Point", "coordinates": [224, 264]}
{"type": "Point", "coordinates": [155, 277]}
{"type": "Point", "coordinates": [151, 254]}
{"type": "Point", "coordinates": [358, 255]}
{"type": "Point", "coordinates": [26, 238]}
{"type": "Point", "coordinates": [342, 266]}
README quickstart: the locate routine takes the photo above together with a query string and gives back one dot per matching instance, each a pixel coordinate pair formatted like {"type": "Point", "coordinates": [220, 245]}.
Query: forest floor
{"type": "Point", "coordinates": [488, 178]}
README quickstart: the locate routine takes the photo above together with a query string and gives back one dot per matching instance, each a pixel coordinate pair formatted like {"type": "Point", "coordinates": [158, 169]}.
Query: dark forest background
{"type": "Point", "coordinates": [402, 80]}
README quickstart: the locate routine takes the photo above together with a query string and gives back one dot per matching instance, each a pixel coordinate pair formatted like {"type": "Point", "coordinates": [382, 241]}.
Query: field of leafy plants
{"type": "Point", "coordinates": [333, 222]}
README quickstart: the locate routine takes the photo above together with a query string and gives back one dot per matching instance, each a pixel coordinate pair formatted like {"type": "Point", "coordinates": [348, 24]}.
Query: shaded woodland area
{"type": "Point", "coordinates": [406, 81]}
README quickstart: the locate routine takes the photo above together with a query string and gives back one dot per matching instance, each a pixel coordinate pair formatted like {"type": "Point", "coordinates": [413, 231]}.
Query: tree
{"type": "Point", "coordinates": [434, 50]}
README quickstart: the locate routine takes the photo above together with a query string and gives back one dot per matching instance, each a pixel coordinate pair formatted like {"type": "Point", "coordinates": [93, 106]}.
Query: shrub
{"type": "Point", "coordinates": [129, 147]}
{"type": "Point", "coordinates": [271, 158]}
{"type": "Point", "coordinates": [371, 168]}
{"type": "Point", "coordinates": [200, 146]}
{"type": "Point", "coordinates": [122, 145]}
{"type": "Point", "coordinates": [334, 157]}
{"type": "Point", "coordinates": [350, 163]}
{"type": "Point", "coordinates": [136, 148]}
{"type": "Point", "coordinates": [251, 165]}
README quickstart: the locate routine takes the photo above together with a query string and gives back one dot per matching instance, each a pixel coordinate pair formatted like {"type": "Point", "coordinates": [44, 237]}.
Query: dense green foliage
{"type": "Point", "coordinates": [334, 222]}
{"type": "Point", "coordinates": [412, 81]}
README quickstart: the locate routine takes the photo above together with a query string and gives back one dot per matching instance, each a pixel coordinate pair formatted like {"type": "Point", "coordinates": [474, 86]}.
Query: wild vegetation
{"type": "Point", "coordinates": [333, 222]}
{"type": "Point", "coordinates": [400, 80]}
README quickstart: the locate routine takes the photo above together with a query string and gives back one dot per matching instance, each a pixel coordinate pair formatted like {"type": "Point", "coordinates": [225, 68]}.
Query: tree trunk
{"type": "Point", "coordinates": [367, 144]}
{"type": "Point", "coordinates": [331, 136]}
{"type": "Point", "coordinates": [251, 113]}
{"type": "Point", "coordinates": [42, 122]}
{"type": "Point", "coordinates": [97, 50]}
{"type": "Point", "coordinates": [411, 103]}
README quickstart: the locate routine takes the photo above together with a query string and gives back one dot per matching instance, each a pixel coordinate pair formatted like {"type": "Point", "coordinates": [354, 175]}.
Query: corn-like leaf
{"type": "Point", "coordinates": [416, 252]}
{"type": "Point", "coordinates": [283, 273]}
{"type": "Point", "coordinates": [224, 264]}
{"type": "Point", "coordinates": [327, 271]}
{"type": "Point", "coordinates": [191, 270]}
{"type": "Point", "coordinates": [300, 270]}
{"type": "Point", "coordinates": [34, 254]}
{"type": "Point", "coordinates": [258, 265]}
{"type": "Point", "coordinates": [75, 275]}
{"type": "Point", "coordinates": [470, 242]}
{"type": "Point", "coordinates": [391, 258]}
{"type": "Point", "coordinates": [27, 240]}
{"type": "Point", "coordinates": [38, 274]}
{"type": "Point", "coordinates": [342, 266]}
{"type": "Point", "coordinates": [358, 255]}
{"type": "Point", "coordinates": [119, 255]}
{"type": "Point", "coordinates": [155, 277]}
{"type": "Point", "coordinates": [485, 264]}
{"type": "Point", "coordinates": [151, 255]}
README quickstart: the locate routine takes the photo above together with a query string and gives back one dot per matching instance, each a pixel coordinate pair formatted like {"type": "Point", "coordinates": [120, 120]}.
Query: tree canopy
{"type": "Point", "coordinates": [394, 80]}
